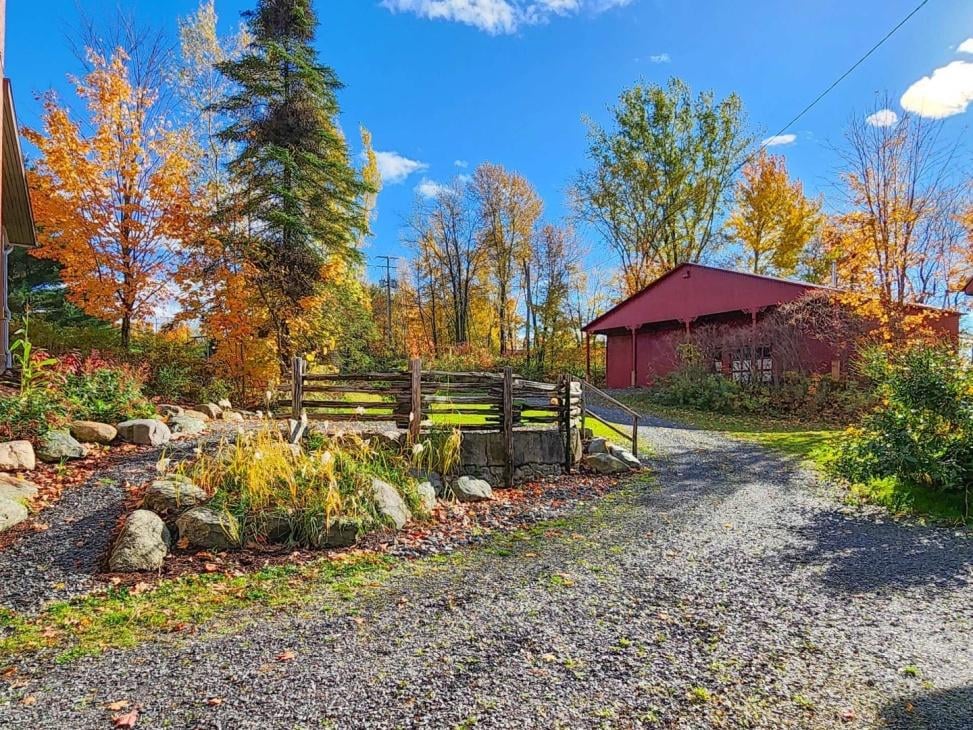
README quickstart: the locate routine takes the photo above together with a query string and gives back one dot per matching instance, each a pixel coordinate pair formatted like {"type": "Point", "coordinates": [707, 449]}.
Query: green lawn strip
{"type": "Point", "coordinates": [122, 617]}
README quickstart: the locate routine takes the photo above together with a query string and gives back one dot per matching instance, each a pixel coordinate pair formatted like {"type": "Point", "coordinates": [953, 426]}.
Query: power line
{"type": "Point", "coordinates": [845, 75]}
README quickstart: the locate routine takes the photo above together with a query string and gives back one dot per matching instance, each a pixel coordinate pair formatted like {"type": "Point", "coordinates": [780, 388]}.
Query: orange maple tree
{"type": "Point", "coordinates": [114, 205]}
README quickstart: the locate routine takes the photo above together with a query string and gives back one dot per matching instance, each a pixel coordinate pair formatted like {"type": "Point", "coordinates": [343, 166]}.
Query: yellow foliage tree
{"type": "Point", "coordinates": [773, 220]}
{"type": "Point", "coordinates": [113, 207]}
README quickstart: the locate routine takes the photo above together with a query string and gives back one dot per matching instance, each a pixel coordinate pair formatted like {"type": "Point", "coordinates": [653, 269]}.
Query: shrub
{"type": "Point", "coordinates": [922, 431]}
{"type": "Point", "coordinates": [98, 390]}
{"type": "Point", "coordinates": [31, 413]}
{"type": "Point", "coordinates": [266, 485]}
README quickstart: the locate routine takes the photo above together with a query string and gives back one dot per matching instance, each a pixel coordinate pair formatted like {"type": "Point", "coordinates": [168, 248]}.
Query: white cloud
{"type": "Point", "coordinates": [394, 168]}
{"type": "Point", "coordinates": [948, 91]}
{"type": "Point", "coordinates": [430, 188]}
{"type": "Point", "coordinates": [660, 58]}
{"type": "Point", "coordinates": [498, 16]}
{"type": "Point", "coordinates": [779, 139]}
{"type": "Point", "coordinates": [461, 163]}
{"type": "Point", "coordinates": [966, 46]}
{"type": "Point", "coordinates": [882, 118]}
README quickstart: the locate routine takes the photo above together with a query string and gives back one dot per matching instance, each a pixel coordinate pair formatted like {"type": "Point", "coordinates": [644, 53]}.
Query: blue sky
{"type": "Point", "coordinates": [447, 84]}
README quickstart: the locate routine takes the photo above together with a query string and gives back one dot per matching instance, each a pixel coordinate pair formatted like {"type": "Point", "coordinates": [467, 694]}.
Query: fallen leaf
{"type": "Point", "coordinates": [182, 543]}
{"type": "Point", "coordinates": [127, 720]}
{"type": "Point", "coordinates": [118, 705]}
{"type": "Point", "coordinates": [214, 701]}
{"type": "Point", "coordinates": [28, 700]}
{"type": "Point", "coordinates": [286, 656]}
{"type": "Point", "coordinates": [847, 715]}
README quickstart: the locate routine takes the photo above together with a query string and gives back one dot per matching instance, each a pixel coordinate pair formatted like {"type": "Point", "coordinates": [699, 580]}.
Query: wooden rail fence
{"type": "Point", "coordinates": [417, 400]}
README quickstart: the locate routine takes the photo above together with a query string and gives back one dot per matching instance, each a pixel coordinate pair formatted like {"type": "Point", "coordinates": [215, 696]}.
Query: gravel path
{"type": "Point", "coordinates": [62, 561]}
{"type": "Point", "coordinates": [731, 591]}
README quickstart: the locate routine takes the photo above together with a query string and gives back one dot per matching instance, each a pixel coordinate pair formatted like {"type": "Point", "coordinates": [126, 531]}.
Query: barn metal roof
{"type": "Point", "coordinates": [723, 290]}
{"type": "Point", "coordinates": [17, 216]}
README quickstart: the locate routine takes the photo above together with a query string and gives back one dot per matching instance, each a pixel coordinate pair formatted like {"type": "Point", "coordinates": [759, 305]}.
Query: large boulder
{"type": "Point", "coordinates": [17, 455]}
{"type": "Point", "coordinates": [233, 416]}
{"type": "Point", "coordinates": [598, 446]}
{"type": "Point", "coordinates": [186, 425]}
{"type": "Point", "coordinates": [169, 409]}
{"type": "Point", "coordinates": [605, 464]}
{"type": "Point", "coordinates": [210, 409]}
{"type": "Point", "coordinates": [427, 495]}
{"type": "Point", "coordinates": [16, 489]}
{"type": "Point", "coordinates": [142, 544]}
{"type": "Point", "coordinates": [339, 534]}
{"type": "Point", "coordinates": [198, 415]}
{"type": "Point", "coordinates": [209, 529]}
{"type": "Point", "coordinates": [631, 461]}
{"type": "Point", "coordinates": [145, 432]}
{"type": "Point", "coordinates": [172, 495]}
{"type": "Point", "coordinates": [469, 489]}
{"type": "Point", "coordinates": [12, 512]}
{"type": "Point", "coordinates": [390, 504]}
{"type": "Point", "coordinates": [92, 432]}
{"type": "Point", "coordinates": [57, 446]}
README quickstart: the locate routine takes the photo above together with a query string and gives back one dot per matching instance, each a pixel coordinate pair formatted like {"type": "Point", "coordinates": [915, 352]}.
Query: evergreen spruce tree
{"type": "Point", "coordinates": [294, 186]}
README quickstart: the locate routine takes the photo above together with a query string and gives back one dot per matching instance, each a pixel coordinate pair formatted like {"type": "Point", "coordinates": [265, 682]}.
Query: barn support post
{"type": "Point", "coordinates": [635, 360]}
{"type": "Point", "coordinates": [587, 356]}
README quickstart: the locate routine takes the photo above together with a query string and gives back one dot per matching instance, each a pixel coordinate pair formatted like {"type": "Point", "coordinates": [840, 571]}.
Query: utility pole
{"type": "Point", "coordinates": [389, 283]}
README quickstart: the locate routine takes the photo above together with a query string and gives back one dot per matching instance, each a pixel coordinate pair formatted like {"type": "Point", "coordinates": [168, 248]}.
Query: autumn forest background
{"type": "Point", "coordinates": [202, 213]}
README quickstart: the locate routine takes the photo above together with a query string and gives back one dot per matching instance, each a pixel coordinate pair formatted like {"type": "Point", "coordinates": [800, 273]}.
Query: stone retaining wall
{"type": "Point", "coordinates": [537, 454]}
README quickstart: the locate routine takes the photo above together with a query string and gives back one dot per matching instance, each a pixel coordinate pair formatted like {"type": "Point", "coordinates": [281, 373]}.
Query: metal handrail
{"type": "Point", "coordinates": [631, 412]}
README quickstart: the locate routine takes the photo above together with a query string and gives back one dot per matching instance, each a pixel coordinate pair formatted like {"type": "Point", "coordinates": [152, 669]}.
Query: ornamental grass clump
{"type": "Point", "coordinates": [279, 493]}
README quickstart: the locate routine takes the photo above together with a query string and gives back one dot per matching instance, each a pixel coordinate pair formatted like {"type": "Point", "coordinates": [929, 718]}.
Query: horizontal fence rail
{"type": "Point", "coordinates": [418, 400]}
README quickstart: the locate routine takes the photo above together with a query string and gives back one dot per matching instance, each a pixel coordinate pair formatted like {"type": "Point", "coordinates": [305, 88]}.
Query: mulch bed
{"type": "Point", "coordinates": [452, 526]}
{"type": "Point", "coordinates": [53, 480]}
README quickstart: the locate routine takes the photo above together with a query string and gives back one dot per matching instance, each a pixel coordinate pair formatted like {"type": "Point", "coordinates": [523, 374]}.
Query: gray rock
{"type": "Point", "coordinates": [206, 528]}
{"type": "Point", "coordinates": [626, 456]}
{"type": "Point", "coordinates": [92, 432]}
{"type": "Point", "coordinates": [198, 415]}
{"type": "Point", "coordinates": [605, 464]}
{"type": "Point", "coordinates": [577, 446]}
{"type": "Point", "coordinates": [468, 489]}
{"type": "Point", "coordinates": [427, 495]}
{"type": "Point", "coordinates": [211, 409]}
{"type": "Point", "coordinates": [11, 513]}
{"type": "Point", "coordinates": [172, 495]}
{"type": "Point", "coordinates": [598, 446]}
{"type": "Point", "coordinates": [390, 504]}
{"type": "Point", "coordinates": [56, 446]}
{"type": "Point", "coordinates": [142, 544]}
{"type": "Point", "coordinates": [224, 403]}
{"type": "Point", "coordinates": [145, 431]}
{"type": "Point", "coordinates": [339, 535]}
{"type": "Point", "coordinates": [233, 416]}
{"type": "Point", "coordinates": [16, 489]}
{"type": "Point", "coordinates": [168, 409]}
{"type": "Point", "coordinates": [16, 455]}
{"type": "Point", "coordinates": [186, 425]}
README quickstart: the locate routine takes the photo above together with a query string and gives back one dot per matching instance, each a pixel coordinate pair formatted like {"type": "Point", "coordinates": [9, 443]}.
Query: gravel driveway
{"type": "Point", "coordinates": [733, 590]}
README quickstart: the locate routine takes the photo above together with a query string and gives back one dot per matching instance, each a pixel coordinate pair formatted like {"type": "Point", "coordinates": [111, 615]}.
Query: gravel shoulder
{"type": "Point", "coordinates": [731, 590]}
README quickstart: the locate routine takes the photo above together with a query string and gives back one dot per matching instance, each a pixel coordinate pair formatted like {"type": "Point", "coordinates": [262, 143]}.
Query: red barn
{"type": "Point", "coordinates": [645, 330]}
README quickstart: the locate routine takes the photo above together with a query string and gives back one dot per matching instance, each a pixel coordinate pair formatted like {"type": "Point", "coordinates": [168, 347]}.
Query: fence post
{"type": "Point", "coordinates": [566, 422]}
{"type": "Point", "coordinates": [297, 387]}
{"type": "Point", "coordinates": [415, 394]}
{"type": "Point", "coordinates": [635, 436]}
{"type": "Point", "coordinates": [508, 426]}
